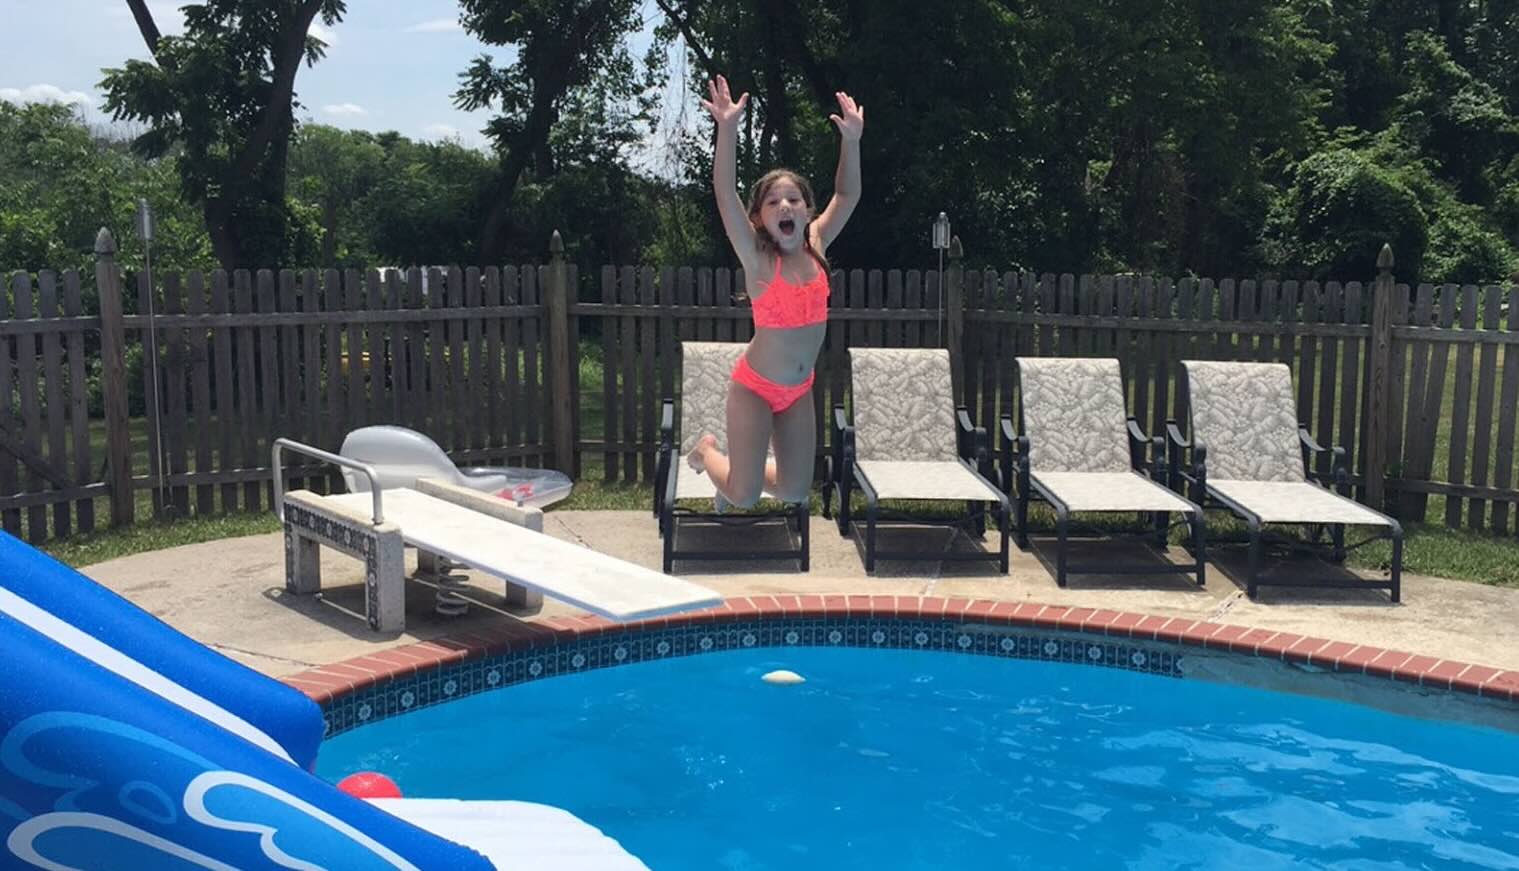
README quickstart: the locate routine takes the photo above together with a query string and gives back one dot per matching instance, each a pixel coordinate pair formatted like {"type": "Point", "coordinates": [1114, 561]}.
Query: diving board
{"type": "Point", "coordinates": [484, 532]}
{"type": "Point", "coordinates": [601, 584]}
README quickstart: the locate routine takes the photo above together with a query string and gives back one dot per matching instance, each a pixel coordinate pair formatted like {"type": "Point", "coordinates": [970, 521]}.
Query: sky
{"type": "Point", "coordinates": [389, 65]}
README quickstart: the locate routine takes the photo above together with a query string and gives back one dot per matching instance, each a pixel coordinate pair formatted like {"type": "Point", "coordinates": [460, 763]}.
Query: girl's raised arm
{"type": "Point", "coordinates": [846, 181]}
{"type": "Point", "coordinates": [726, 112]}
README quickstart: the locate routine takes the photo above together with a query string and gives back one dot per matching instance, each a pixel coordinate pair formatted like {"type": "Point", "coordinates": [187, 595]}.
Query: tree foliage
{"type": "Point", "coordinates": [565, 98]}
{"type": "Point", "coordinates": [62, 183]}
{"type": "Point", "coordinates": [1218, 137]}
{"type": "Point", "coordinates": [223, 94]}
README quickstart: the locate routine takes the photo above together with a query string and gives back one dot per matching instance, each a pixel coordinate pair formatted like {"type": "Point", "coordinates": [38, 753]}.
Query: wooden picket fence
{"type": "Point", "coordinates": [1415, 383]}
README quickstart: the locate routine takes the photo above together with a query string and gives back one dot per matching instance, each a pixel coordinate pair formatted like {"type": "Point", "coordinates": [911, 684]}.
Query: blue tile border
{"type": "Point", "coordinates": [615, 647]}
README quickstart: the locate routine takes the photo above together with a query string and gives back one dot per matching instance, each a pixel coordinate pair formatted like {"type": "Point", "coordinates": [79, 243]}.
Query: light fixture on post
{"type": "Point", "coordinates": [941, 244]}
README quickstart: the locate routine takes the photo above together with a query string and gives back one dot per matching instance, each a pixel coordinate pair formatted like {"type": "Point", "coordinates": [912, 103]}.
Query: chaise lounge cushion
{"type": "Point", "coordinates": [1295, 502]}
{"type": "Point", "coordinates": [1243, 414]}
{"type": "Point", "coordinates": [904, 420]}
{"type": "Point", "coordinates": [904, 407]}
{"type": "Point", "coordinates": [1073, 415]}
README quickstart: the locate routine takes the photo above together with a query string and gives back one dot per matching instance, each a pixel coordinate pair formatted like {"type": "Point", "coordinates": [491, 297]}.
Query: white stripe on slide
{"type": "Point", "coordinates": [111, 659]}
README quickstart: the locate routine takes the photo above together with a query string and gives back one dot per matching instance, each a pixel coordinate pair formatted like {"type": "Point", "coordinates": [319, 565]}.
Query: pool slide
{"type": "Point", "coordinates": [125, 744]}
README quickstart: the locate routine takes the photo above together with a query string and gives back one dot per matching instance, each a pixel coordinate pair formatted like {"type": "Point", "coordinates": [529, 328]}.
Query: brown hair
{"type": "Point", "coordinates": [757, 199]}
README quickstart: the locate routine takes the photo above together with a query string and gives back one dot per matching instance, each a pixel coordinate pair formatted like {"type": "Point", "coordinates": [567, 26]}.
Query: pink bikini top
{"type": "Point", "coordinates": [784, 305]}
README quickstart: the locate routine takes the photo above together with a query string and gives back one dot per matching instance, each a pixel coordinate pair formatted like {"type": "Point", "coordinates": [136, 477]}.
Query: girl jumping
{"type": "Point", "coordinates": [781, 242]}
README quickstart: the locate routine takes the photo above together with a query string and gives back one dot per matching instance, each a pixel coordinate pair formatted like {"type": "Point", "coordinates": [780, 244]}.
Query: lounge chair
{"type": "Point", "coordinates": [706, 368]}
{"type": "Point", "coordinates": [909, 442]}
{"type": "Point", "coordinates": [1248, 454]}
{"type": "Point", "coordinates": [1078, 452]}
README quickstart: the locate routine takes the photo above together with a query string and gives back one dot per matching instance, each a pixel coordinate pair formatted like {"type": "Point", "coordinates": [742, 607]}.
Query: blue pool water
{"type": "Point", "coordinates": [894, 759]}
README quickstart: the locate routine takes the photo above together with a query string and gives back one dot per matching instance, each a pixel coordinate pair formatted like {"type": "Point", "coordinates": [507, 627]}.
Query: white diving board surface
{"type": "Point", "coordinates": [596, 582]}
{"type": "Point", "coordinates": [516, 835]}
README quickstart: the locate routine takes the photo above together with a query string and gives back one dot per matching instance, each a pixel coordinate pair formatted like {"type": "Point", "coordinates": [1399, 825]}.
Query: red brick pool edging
{"type": "Point", "coordinates": [329, 683]}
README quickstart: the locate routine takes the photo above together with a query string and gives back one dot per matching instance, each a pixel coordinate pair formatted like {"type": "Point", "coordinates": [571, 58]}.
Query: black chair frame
{"type": "Point", "coordinates": [842, 475]}
{"type": "Point", "coordinates": [1021, 486]}
{"type": "Point", "coordinates": [673, 518]}
{"type": "Point", "coordinates": [1188, 461]}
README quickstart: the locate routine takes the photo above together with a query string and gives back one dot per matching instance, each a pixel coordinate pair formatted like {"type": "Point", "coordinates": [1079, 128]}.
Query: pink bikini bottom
{"type": "Point", "coordinates": [778, 396]}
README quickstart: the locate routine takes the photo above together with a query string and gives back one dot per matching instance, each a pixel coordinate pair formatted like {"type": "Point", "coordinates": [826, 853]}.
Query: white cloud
{"type": "Point", "coordinates": [440, 131]}
{"type": "Point", "coordinates": [345, 109]}
{"type": "Point", "coordinates": [46, 94]}
{"type": "Point", "coordinates": [436, 25]}
{"type": "Point", "coordinates": [324, 34]}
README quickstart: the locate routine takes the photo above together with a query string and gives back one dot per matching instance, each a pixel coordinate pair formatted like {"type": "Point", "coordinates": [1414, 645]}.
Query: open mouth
{"type": "Point", "coordinates": [787, 226]}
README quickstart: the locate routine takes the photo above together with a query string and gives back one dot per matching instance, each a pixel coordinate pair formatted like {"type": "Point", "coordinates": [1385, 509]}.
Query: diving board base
{"type": "Point", "coordinates": [312, 522]}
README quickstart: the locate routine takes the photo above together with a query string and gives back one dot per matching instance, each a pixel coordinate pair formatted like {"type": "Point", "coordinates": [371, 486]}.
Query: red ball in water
{"type": "Point", "coordinates": [369, 784]}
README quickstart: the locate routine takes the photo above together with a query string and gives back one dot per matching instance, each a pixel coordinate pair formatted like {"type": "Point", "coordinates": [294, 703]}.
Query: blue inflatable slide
{"type": "Point", "coordinates": [126, 745]}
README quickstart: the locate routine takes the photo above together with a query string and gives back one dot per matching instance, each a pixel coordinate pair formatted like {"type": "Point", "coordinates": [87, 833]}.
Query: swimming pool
{"type": "Point", "coordinates": [918, 759]}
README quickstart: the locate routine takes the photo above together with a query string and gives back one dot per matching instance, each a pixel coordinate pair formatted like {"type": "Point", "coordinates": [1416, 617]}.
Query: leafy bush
{"type": "Point", "coordinates": [1343, 206]}
{"type": "Point", "coordinates": [1462, 251]}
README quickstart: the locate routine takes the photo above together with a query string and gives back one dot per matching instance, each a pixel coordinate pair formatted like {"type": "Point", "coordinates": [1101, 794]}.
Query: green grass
{"type": "Point", "coordinates": [150, 534]}
{"type": "Point", "coordinates": [1434, 550]}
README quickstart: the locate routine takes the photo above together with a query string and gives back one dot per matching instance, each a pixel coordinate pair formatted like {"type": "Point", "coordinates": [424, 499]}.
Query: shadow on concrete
{"type": "Point", "coordinates": [1126, 553]}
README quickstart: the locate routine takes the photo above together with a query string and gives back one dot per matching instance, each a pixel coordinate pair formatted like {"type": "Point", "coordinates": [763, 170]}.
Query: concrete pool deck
{"type": "Point", "coordinates": [230, 595]}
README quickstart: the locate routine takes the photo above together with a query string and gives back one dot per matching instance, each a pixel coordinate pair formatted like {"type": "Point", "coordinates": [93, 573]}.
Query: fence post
{"type": "Point", "coordinates": [954, 316]}
{"type": "Point", "coordinates": [113, 380]}
{"type": "Point", "coordinates": [1379, 382]}
{"type": "Point", "coordinates": [556, 301]}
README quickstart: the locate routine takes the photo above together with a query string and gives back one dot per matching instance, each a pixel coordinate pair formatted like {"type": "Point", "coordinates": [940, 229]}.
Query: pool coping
{"type": "Point", "coordinates": [331, 683]}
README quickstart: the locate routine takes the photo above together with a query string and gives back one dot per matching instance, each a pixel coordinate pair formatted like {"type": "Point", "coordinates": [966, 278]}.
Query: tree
{"type": "Point", "coordinates": [561, 46]}
{"type": "Point", "coordinates": [335, 168]}
{"type": "Point", "coordinates": [224, 93]}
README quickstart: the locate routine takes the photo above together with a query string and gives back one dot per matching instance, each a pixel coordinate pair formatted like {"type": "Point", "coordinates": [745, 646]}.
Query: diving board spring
{"type": "Point", "coordinates": [439, 570]}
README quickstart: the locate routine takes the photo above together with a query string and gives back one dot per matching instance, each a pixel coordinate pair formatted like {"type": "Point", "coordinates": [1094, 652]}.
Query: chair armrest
{"type": "Point", "coordinates": [1138, 441]}
{"type": "Point", "coordinates": [1174, 436]}
{"type": "Point", "coordinates": [1006, 448]}
{"type": "Point", "coordinates": [1014, 455]}
{"type": "Point", "coordinates": [1312, 451]}
{"type": "Point", "coordinates": [667, 424]}
{"type": "Point", "coordinates": [1338, 472]}
{"type": "Point", "coordinates": [1199, 472]}
{"type": "Point", "coordinates": [1308, 441]}
{"type": "Point", "coordinates": [971, 439]}
{"type": "Point", "coordinates": [835, 464]}
{"type": "Point", "coordinates": [664, 458]}
{"type": "Point", "coordinates": [1339, 466]}
{"type": "Point", "coordinates": [843, 430]}
{"type": "Point", "coordinates": [1175, 444]}
{"type": "Point", "coordinates": [962, 417]}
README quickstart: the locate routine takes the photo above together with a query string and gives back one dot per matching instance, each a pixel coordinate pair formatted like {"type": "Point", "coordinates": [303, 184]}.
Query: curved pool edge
{"type": "Point", "coordinates": [400, 679]}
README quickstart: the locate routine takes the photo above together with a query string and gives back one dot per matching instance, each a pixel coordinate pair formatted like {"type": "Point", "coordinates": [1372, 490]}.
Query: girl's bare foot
{"type": "Point", "coordinates": [695, 459]}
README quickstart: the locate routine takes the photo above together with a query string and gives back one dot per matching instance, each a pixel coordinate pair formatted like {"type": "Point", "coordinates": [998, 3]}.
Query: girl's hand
{"type": "Point", "coordinates": [722, 106]}
{"type": "Point", "coordinates": [851, 117]}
